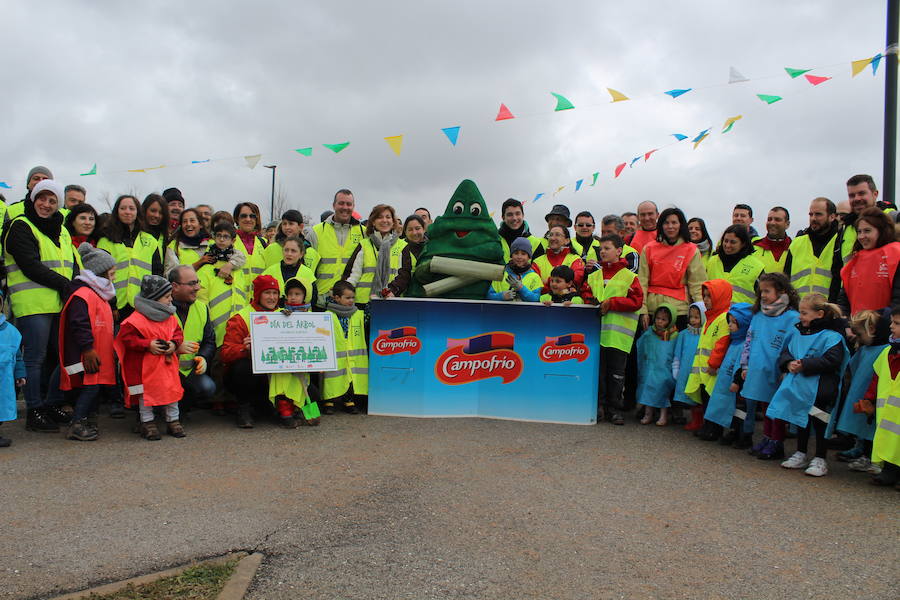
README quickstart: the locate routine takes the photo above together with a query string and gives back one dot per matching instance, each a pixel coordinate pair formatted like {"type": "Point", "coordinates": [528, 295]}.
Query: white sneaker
{"type": "Point", "coordinates": [796, 461]}
{"type": "Point", "coordinates": [861, 464]}
{"type": "Point", "coordinates": [817, 467]}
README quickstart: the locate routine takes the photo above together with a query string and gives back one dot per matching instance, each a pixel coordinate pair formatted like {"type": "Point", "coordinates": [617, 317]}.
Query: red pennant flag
{"type": "Point", "coordinates": [504, 113]}
{"type": "Point", "coordinates": [619, 169]}
{"type": "Point", "coordinates": [647, 155]}
{"type": "Point", "coordinates": [816, 79]}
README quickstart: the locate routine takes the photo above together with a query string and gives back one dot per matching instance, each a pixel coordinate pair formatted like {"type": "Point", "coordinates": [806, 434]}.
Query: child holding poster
{"type": "Point", "coordinates": [350, 382]}
{"type": "Point", "coordinates": [291, 393]}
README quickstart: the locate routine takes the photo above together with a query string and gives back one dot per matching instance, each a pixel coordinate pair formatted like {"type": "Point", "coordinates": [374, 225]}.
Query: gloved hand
{"type": "Point", "coordinates": [514, 282]}
{"type": "Point", "coordinates": [199, 365]}
{"type": "Point", "coordinates": [91, 361]}
{"type": "Point", "coordinates": [509, 295]}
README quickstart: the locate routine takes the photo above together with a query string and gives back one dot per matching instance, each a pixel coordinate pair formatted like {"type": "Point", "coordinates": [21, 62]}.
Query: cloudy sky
{"type": "Point", "coordinates": [142, 84]}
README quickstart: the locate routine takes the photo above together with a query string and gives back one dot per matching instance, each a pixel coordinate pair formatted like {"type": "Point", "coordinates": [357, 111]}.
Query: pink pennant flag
{"type": "Point", "coordinates": [647, 154]}
{"type": "Point", "coordinates": [816, 79]}
{"type": "Point", "coordinates": [619, 169]}
{"type": "Point", "coordinates": [504, 113]}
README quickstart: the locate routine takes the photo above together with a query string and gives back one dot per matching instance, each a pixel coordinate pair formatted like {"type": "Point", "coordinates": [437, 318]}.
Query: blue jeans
{"type": "Point", "coordinates": [40, 338]}
{"type": "Point", "coordinates": [197, 387]}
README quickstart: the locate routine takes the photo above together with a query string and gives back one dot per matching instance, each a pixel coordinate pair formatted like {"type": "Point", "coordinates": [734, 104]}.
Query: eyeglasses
{"type": "Point", "coordinates": [246, 216]}
{"type": "Point", "coordinates": [223, 236]}
{"type": "Point", "coordinates": [584, 224]}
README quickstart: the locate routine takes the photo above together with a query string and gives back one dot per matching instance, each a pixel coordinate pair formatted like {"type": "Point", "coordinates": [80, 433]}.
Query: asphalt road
{"type": "Point", "coordinates": [374, 507]}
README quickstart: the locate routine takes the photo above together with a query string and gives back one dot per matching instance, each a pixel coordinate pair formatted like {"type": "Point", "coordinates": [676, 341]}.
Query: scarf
{"type": "Point", "coordinates": [776, 247]}
{"type": "Point", "coordinates": [249, 239]}
{"type": "Point", "coordinates": [730, 260]}
{"type": "Point", "coordinates": [153, 310]}
{"type": "Point", "coordinates": [510, 234]}
{"type": "Point", "coordinates": [343, 314]}
{"type": "Point", "coordinates": [191, 241]}
{"type": "Point", "coordinates": [776, 308]}
{"type": "Point", "coordinates": [382, 245]}
{"type": "Point", "coordinates": [562, 297]}
{"type": "Point", "coordinates": [101, 285]}
{"type": "Point", "coordinates": [704, 247]}
{"type": "Point", "coordinates": [77, 240]}
{"type": "Point", "coordinates": [518, 270]}
{"type": "Point", "coordinates": [51, 226]}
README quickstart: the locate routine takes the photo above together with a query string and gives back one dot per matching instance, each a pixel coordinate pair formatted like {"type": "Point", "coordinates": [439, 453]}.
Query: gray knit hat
{"type": "Point", "coordinates": [38, 169]}
{"type": "Point", "coordinates": [522, 244]}
{"type": "Point", "coordinates": [154, 287]}
{"type": "Point", "coordinates": [95, 260]}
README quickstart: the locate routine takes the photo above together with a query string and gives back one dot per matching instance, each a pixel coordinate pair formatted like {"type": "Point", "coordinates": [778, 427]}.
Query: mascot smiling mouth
{"type": "Point", "coordinates": [462, 234]}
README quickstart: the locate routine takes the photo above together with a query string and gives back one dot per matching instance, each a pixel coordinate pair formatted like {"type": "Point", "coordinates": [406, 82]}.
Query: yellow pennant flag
{"type": "Point", "coordinates": [395, 142]}
{"type": "Point", "coordinates": [559, 189]}
{"type": "Point", "coordinates": [703, 137]}
{"type": "Point", "coordinates": [857, 66]}
{"type": "Point", "coordinates": [616, 95]}
{"type": "Point", "coordinates": [729, 123]}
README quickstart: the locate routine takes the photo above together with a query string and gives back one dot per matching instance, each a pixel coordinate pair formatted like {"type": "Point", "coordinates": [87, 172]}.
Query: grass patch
{"type": "Point", "coordinates": [201, 582]}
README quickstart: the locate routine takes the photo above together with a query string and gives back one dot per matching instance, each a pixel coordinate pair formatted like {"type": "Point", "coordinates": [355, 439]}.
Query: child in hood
{"type": "Point", "coordinates": [723, 399]}
{"type": "Point", "coordinates": [86, 339]}
{"type": "Point", "coordinates": [147, 344]}
{"type": "Point", "coordinates": [685, 348]}
{"type": "Point", "coordinates": [520, 282]}
{"type": "Point", "coordinates": [655, 350]}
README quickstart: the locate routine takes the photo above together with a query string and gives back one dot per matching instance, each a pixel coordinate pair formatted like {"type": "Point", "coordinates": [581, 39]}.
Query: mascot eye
{"type": "Point", "coordinates": [475, 210]}
{"type": "Point", "coordinates": [458, 208]}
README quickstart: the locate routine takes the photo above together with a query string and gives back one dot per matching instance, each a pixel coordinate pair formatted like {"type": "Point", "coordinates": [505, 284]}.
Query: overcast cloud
{"type": "Point", "coordinates": [139, 84]}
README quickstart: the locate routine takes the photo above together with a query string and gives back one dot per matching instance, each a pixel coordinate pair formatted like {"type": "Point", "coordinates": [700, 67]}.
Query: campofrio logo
{"type": "Point", "coordinates": [395, 341]}
{"type": "Point", "coordinates": [479, 357]}
{"type": "Point", "coordinates": [261, 320]}
{"type": "Point", "coordinates": [564, 347]}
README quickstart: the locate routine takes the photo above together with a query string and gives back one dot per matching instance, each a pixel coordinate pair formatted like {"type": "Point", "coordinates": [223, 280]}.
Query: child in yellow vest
{"type": "Point", "coordinates": [350, 382]}
{"type": "Point", "coordinates": [881, 403]}
{"type": "Point", "coordinates": [562, 287]}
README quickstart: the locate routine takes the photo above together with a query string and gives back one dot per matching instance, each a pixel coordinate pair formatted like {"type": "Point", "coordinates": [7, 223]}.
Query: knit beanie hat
{"type": "Point", "coordinates": [263, 283]}
{"type": "Point", "coordinates": [48, 185]}
{"type": "Point", "coordinates": [292, 215]}
{"type": "Point", "coordinates": [522, 244]}
{"type": "Point", "coordinates": [154, 287]}
{"type": "Point", "coordinates": [95, 260]}
{"type": "Point", "coordinates": [173, 195]}
{"type": "Point", "coordinates": [38, 169]}
{"type": "Point", "coordinates": [292, 283]}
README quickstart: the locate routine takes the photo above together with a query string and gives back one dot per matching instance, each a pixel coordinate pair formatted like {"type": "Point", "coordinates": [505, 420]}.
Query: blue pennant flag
{"type": "Point", "coordinates": [676, 93]}
{"type": "Point", "coordinates": [452, 134]}
{"type": "Point", "coordinates": [700, 135]}
{"type": "Point", "coordinates": [578, 184]}
{"type": "Point", "coordinates": [538, 197]}
{"type": "Point", "coordinates": [679, 136]}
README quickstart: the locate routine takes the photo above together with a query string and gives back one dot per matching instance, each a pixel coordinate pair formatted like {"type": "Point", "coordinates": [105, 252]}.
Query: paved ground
{"type": "Point", "coordinates": [372, 507]}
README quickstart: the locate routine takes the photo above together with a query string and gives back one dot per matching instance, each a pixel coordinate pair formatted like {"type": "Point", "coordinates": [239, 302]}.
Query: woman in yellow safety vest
{"type": "Point", "coordinates": [135, 252]}
{"type": "Point", "coordinates": [250, 241]}
{"type": "Point", "coordinates": [559, 252]}
{"type": "Point", "coordinates": [291, 225]}
{"type": "Point", "coordinates": [40, 264]}
{"type": "Point", "coordinates": [402, 269]}
{"type": "Point", "coordinates": [700, 238]}
{"type": "Point", "coordinates": [156, 219]}
{"type": "Point", "coordinates": [735, 263]}
{"type": "Point", "coordinates": [291, 265]}
{"type": "Point", "coordinates": [362, 265]}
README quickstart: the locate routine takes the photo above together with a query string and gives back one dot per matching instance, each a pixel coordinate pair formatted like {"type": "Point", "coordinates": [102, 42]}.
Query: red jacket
{"type": "Point", "coordinates": [641, 238]}
{"type": "Point", "coordinates": [233, 343]}
{"type": "Point", "coordinates": [720, 292]}
{"type": "Point", "coordinates": [631, 302]}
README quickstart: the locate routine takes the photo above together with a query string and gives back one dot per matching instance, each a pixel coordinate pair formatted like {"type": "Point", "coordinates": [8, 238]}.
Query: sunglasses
{"type": "Point", "coordinates": [246, 216]}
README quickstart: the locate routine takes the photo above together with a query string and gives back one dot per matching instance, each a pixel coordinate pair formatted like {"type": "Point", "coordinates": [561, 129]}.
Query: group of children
{"type": "Point", "coordinates": [788, 357]}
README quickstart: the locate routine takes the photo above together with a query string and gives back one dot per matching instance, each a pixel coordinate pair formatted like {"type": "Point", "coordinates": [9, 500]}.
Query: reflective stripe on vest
{"type": "Point", "coordinates": [131, 265]}
{"type": "Point", "coordinates": [333, 256]}
{"type": "Point", "coordinates": [353, 359]}
{"type": "Point", "coordinates": [370, 262]}
{"type": "Point", "coordinates": [886, 442]}
{"type": "Point", "coordinates": [28, 297]}
{"type": "Point", "coordinates": [742, 276]}
{"type": "Point", "coordinates": [223, 300]}
{"type": "Point", "coordinates": [193, 326]}
{"type": "Point", "coordinates": [712, 332]}
{"type": "Point", "coordinates": [617, 329]}
{"type": "Point", "coordinates": [810, 273]}
{"type": "Point", "coordinates": [256, 262]}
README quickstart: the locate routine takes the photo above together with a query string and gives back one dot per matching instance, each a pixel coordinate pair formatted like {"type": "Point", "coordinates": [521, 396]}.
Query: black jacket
{"type": "Point", "coordinates": [827, 366]}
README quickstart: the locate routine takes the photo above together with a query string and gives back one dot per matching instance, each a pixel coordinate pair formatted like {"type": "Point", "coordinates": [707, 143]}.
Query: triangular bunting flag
{"type": "Point", "coordinates": [5, 185]}
{"type": "Point", "coordinates": [93, 171]}
{"type": "Point", "coordinates": [647, 154]}
{"type": "Point", "coordinates": [452, 134]}
{"type": "Point", "coordinates": [578, 184]}
{"type": "Point", "coordinates": [304, 151]}
{"type": "Point", "coordinates": [679, 136]}
{"type": "Point", "coordinates": [395, 142]}
{"type": "Point", "coordinates": [676, 93]}
{"type": "Point", "coordinates": [136, 171]}
{"type": "Point", "coordinates": [619, 168]}
{"type": "Point", "coordinates": [562, 103]}
{"type": "Point", "coordinates": [198, 162]}
{"type": "Point", "coordinates": [795, 73]}
{"type": "Point", "coordinates": [634, 160]}
{"type": "Point", "coordinates": [504, 113]}
{"type": "Point", "coordinates": [875, 61]}
{"type": "Point", "coordinates": [703, 135]}
{"type": "Point", "coordinates": [729, 123]}
{"type": "Point", "coordinates": [252, 160]}
{"type": "Point", "coordinates": [735, 76]}
{"type": "Point", "coordinates": [559, 189]}
{"type": "Point", "coordinates": [595, 178]}
{"type": "Point", "coordinates": [616, 95]}
{"type": "Point", "coordinates": [816, 79]}
{"type": "Point", "coordinates": [538, 197]}
{"type": "Point", "coordinates": [768, 99]}
{"type": "Point", "coordinates": [857, 66]}
{"type": "Point", "coordinates": [337, 147]}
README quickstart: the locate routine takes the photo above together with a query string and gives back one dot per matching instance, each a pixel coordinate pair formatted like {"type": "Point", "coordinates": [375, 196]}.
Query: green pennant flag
{"type": "Point", "coordinates": [337, 147]}
{"type": "Point", "coordinates": [93, 171]}
{"type": "Point", "coordinates": [795, 73]}
{"type": "Point", "coordinates": [595, 178]}
{"type": "Point", "coordinates": [562, 103]}
{"type": "Point", "coordinates": [304, 151]}
{"type": "Point", "coordinates": [768, 99]}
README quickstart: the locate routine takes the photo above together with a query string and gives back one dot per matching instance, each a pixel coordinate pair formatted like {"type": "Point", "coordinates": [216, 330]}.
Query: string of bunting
{"type": "Point", "coordinates": [452, 133]}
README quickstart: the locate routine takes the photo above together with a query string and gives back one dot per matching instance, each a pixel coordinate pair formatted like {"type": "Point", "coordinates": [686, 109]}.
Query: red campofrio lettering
{"type": "Point", "coordinates": [395, 341]}
{"type": "Point", "coordinates": [565, 347]}
{"type": "Point", "coordinates": [479, 357]}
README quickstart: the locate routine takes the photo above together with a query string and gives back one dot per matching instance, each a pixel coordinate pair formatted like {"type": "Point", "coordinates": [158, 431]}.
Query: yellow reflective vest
{"type": "Point", "coordinates": [304, 275]}
{"type": "Point", "coordinates": [742, 276]}
{"type": "Point", "coordinates": [256, 262]}
{"type": "Point", "coordinates": [617, 329]}
{"type": "Point", "coordinates": [333, 256]}
{"type": "Point", "coordinates": [396, 253]}
{"type": "Point", "coordinates": [770, 265]}
{"type": "Point", "coordinates": [352, 359]}
{"type": "Point", "coordinates": [31, 298]}
{"type": "Point", "coordinates": [542, 264]}
{"type": "Point", "coordinates": [273, 254]}
{"type": "Point", "coordinates": [886, 443]}
{"type": "Point", "coordinates": [223, 299]}
{"type": "Point", "coordinates": [700, 375]}
{"type": "Point", "coordinates": [131, 265]}
{"type": "Point", "coordinates": [197, 317]}
{"type": "Point", "coordinates": [809, 273]}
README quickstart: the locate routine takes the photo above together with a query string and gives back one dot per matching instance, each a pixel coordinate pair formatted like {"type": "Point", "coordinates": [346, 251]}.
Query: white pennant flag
{"type": "Point", "coordinates": [252, 160]}
{"type": "Point", "coordinates": [735, 76]}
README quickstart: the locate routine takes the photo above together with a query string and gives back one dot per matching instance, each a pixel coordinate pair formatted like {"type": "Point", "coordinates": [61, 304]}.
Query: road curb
{"type": "Point", "coordinates": [115, 586]}
{"type": "Point", "coordinates": [242, 577]}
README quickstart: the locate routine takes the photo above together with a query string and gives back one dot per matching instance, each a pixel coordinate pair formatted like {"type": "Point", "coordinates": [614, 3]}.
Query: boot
{"type": "Point", "coordinates": [36, 420]}
{"type": "Point", "coordinates": [175, 429]}
{"type": "Point", "coordinates": [116, 410]}
{"type": "Point", "coordinates": [743, 441]}
{"type": "Point", "coordinates": [149, 431]}
{"type": "Point", "coordinates": [710, 432]}
{"type": "Point", "coordinates": [244, 417]}
{"type": "Point", "coordinates": [57, 415]}
{"type": "Point", "coordinates": [82, 431]}
{"type": "Point", "coordinates": [696, 419]}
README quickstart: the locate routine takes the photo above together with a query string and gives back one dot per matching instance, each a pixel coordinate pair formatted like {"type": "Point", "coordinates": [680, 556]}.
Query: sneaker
{"type": "Point", "coordinates": [757, 448]}
{"type": "Point", "coordinates": [328, 408]}
{"type": "Point", "coordinates": [57, 415]}
{"type": "Point", "coordinates": [796, 461]}
{"type": "Point", "coordinates": [150, 432]}
{"type": "Point", "coordinates": [617, 419]}
{"type": "Point", "coordinates": [82, 431]}
{"type": "Point", "coordinates": [36, 420]}
{"type": "Point", "coordinates": [773, 450]}
{"type": "Point", "coordinates": [850, 455]}
{"type": "Point", "coordinates": [864, 465]}
{"type": "Point", "coordinates": [817, 467]}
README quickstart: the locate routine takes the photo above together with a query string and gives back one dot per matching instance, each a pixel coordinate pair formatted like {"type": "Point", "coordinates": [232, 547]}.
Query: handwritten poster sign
{"type": "Point", "coordinates": [299, 342]}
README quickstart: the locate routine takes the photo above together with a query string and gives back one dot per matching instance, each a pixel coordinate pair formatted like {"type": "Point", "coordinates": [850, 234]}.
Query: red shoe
{"type": "Point", "coordinates": [696, 421]}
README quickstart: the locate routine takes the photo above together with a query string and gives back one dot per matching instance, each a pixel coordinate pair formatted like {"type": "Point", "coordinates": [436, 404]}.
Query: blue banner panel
{"type": "Point", "coordinates": [471, 358]}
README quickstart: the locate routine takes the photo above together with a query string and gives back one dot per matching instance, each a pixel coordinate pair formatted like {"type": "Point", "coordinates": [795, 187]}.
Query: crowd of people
{"type": "Point", "coordinates": [147, 307]}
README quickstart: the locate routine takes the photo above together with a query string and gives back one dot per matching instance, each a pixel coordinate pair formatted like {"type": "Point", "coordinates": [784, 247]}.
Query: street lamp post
{"type": "Point", "coordinates": [272, 201]}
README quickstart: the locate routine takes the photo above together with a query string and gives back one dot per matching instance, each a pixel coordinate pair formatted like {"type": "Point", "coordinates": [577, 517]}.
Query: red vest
{"type": "Point", "coordinates": [641, 239]}
{"type": "Point", "coordinates": [73, 375]}
{"type": "Point", "coordinates": [153, 375]}
{"type": "Point", "coordinates": [869, 277]}
{"type": "Point", "coordinates": [667, 265]}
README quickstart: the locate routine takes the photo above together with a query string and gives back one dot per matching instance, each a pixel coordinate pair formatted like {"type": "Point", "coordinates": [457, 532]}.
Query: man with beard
{"type": "Point", "coordinates": [772, 249]}
{"type": "Point", "coordinates": [814, 259]}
